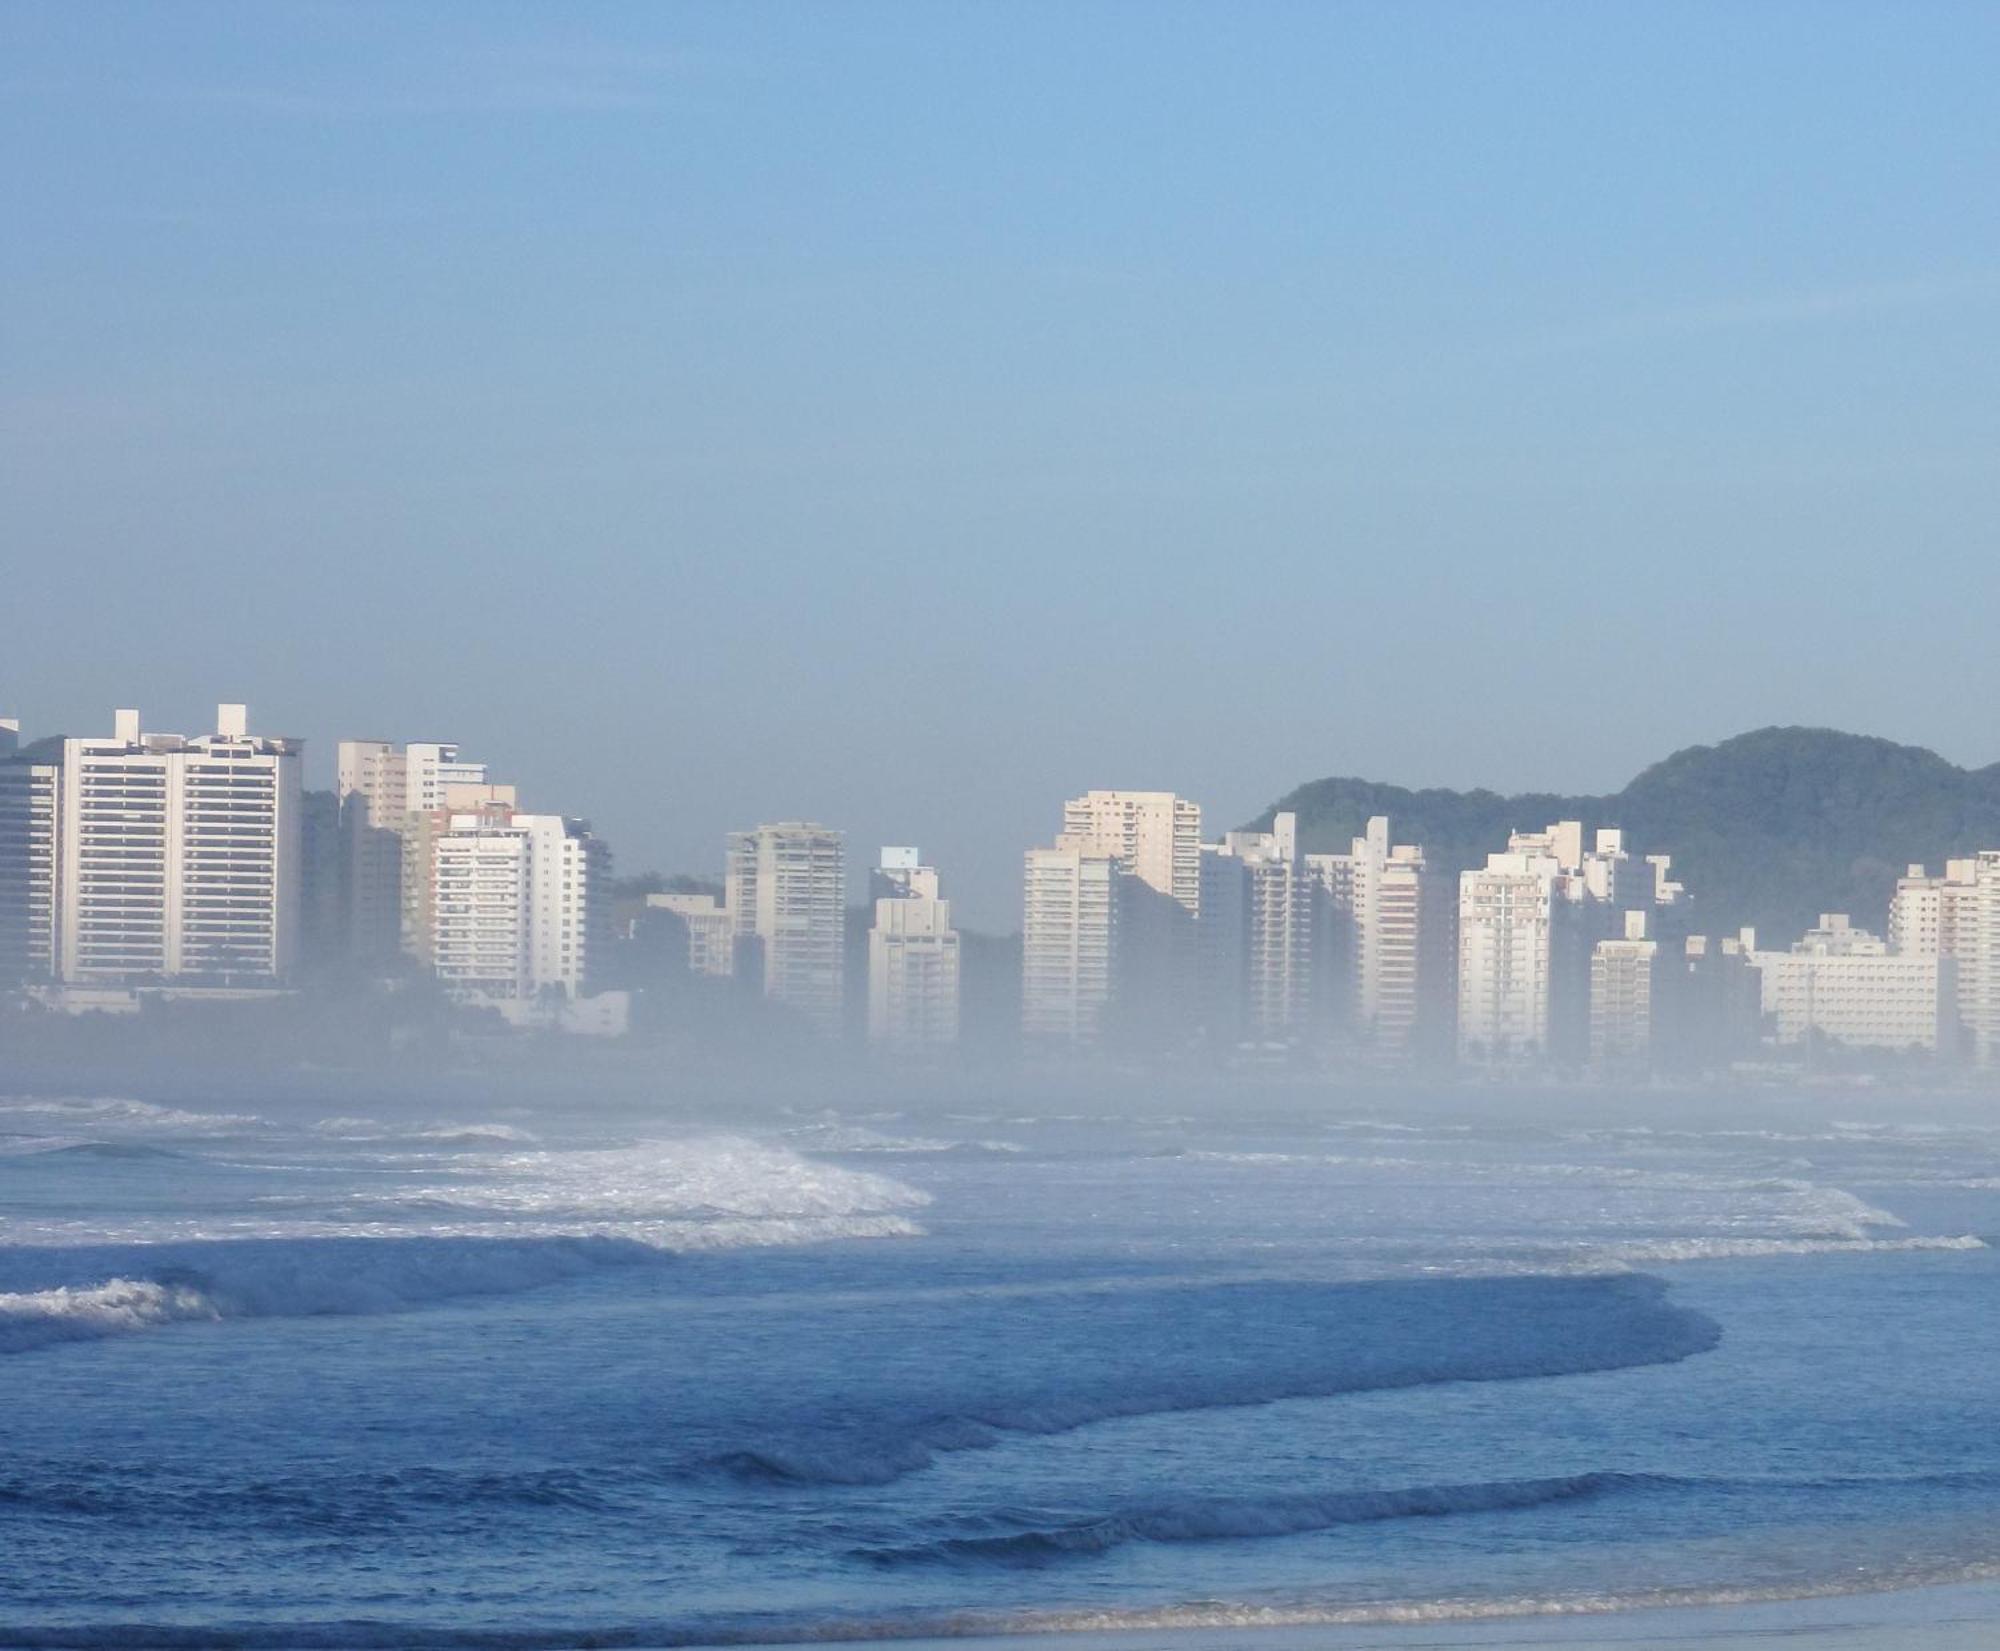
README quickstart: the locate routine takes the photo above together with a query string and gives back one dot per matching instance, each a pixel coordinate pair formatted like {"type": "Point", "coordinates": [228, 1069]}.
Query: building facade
{"type": "Point", "coordinates": [143, 860]}
{"type": "Point", "coordinates": [1377, 943]}
{"type": "Point", "coordinates": [1154, 836]}
{"type": "Point", "coordinates": [1623, 984]}
{"type": "Point", "coordinates": [28, 859]}
{"type": "Point", "coordinates": [1843, 984]}
{"type": "Point", "coordinates": [509, 902]}
{"type": "Point", "coordinates": [1255, 934]}
{"type": "Point", "coordinates": [913, 957]}
{"type": "Point", "coordinates": [380, 787]}
{"type": "Point", "coordinates": [1069, 924]}
{"type": "Point", "coordinates": [711, 931]}
{"type": "Point", "coordinates": [787, 897]}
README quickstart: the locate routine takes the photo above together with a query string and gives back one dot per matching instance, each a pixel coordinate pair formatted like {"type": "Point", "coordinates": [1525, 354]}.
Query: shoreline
{"type": "Point", "coordinates": [1943, 1616]}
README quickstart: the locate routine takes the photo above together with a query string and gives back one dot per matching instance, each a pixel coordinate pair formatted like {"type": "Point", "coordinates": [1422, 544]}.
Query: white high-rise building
{"type": "Point", "coordinates": [912, 957]}
{"type": "Point", "coordinates": [1154, 836]}
{"type": "Point", "coordinates": [1068, 939]}
{"type": "Point", "coordinates": [1256, 927]}
{"type": "Point", "coordinates": [380, 787]}
{"type": "Point", "coordinates": [1844, 984]}
{"type": "Point", "coordinates": [1376, 940]}
{"type": "Point", "coordinates": [1956, 917]}
{"type": "Point", "coordinates": [1528, 924]}
{"type": "Point", "coordinates": [787, 892]}
{"type": "Point", "coordinates": [1622, 979]}
{"type": "Point", "coordinates": [148, 859]}
{"type": "Point", "coordinates": [1506, 919]}
{"type": "Point", "coordinates": [507, 903]}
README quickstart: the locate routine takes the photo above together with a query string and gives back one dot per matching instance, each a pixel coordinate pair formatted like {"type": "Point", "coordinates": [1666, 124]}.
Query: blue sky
{"type": "Point", "coordinates": [906, 416]}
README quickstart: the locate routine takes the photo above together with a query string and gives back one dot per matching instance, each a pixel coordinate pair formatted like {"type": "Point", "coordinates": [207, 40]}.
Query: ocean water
{"type": "Point", "coordinates": [567, 1375]}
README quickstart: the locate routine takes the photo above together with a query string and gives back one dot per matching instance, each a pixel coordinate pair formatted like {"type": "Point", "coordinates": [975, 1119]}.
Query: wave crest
{"type": "Point", "coordinates": [1237, 1519]}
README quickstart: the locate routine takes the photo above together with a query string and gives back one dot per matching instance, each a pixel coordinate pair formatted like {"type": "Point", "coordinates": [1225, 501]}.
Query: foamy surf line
{"type": "Point", "coordinates": [746, 1633]}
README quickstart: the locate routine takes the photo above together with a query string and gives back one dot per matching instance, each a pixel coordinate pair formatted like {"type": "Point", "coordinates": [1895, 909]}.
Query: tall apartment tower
{"type": "Point", "coordinates": [1529, 923]}
{"type": "Point", "coordinates": [145, 859]}
{"type": "Point", "coordinates": [1377, 937]}
{"type": "Point", "coordinates": [1622, 990]}
{"type": "Point", "coordinates": [1956, 918]}
{"type": "Point", "coordinates": [787, 892]}
{"type": "Point", "coordinates": [28, 843]}
{"type": "Point", "coordinates": [1069, 925]}
{"type": "Point", "coordinates": [507, 903]}
{"type": "Point", "coordinates": [1506, 918]}
{"type": "Point", "coordinates": [380, 787]}
{"type": "Point", "coordinates": [912, 957]}
{"type": "Point", "coordinates": [1256, 929]}
{"type": "Point", "coordinates": [1154, 836]}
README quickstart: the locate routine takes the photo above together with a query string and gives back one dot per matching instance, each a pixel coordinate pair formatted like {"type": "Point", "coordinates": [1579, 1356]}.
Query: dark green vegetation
{"type": "Point", "coordinates": [1767, 829]}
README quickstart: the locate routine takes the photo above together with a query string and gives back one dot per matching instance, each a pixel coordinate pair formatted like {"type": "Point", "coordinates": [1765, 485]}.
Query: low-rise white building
{"type": "Point", "coordinates": [1844, 984]}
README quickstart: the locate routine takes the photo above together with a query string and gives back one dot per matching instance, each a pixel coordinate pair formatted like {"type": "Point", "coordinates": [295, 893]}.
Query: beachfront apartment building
{"type": "Point", "coordinates": [147, 859]}
{"type": "Point", "coordinates": [787, 900]}
{"type": "Point", "coordinates": [379, 787]}
{"type": "Point", "coordinates": [913, 957]}
{"type": "Point", "coordinates": [1069, 922]}
{"type": "Point", "coordinates": [505, 905]}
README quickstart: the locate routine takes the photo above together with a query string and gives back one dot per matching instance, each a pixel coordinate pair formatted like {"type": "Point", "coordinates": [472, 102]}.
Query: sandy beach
{"type": "Point", "coordinates": [1964, 1617]}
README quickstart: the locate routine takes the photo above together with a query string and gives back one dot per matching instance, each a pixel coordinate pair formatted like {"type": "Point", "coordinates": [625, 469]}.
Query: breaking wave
{"type": "Point", "coordinates": [69, 1114]}
{"type": "Point", "coordinates": [1237, 1519]}
{"type": "Point", "coordinates": [521, 1221]}
{"type": "Point", "coordinates": [146, 1286]}
{"type": "Point", "coordinates": [1286, 1342]}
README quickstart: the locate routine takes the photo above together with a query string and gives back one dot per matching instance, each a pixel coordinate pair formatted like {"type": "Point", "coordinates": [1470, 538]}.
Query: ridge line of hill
{"type": "Point", "coordinates": [1767, 829]}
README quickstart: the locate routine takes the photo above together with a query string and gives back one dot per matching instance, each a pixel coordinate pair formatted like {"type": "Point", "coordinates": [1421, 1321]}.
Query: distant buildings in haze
{"type": "Point", "coordinates": [195, 865]}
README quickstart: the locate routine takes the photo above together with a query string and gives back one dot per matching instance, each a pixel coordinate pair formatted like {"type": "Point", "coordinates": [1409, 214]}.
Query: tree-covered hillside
{"type": "Point", "coordinates": [1767, 829]}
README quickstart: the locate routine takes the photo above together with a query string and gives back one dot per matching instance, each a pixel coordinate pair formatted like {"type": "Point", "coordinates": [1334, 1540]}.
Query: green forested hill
{"type": "Point", "coordinates": [1770, 828]}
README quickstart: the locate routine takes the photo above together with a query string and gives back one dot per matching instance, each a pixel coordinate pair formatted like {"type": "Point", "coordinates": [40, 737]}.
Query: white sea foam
{"type": "Point", "coordinates": [100, 1113]}
{"type": "Point", "coordinates": [143, 1287]}
{"type": "Point", "coordinates": [513, 1222]}
{"type": "Point", "coordinates": [41, 1318]}
{"type": "Point", "coordinates": [365, 1130]}
{"type": "Point", "coordinates": [1659, 1251]}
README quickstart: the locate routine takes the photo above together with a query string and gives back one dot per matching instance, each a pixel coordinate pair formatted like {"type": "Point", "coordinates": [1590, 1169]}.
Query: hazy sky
{"type": "Point", "coordinates": [905, 416]}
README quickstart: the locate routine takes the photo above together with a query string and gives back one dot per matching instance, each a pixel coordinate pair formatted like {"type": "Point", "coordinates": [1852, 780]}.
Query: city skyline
{"type": "Point", "coordinates": [146, 865]}
{"type": "Point", "coordinates": [902, 416]}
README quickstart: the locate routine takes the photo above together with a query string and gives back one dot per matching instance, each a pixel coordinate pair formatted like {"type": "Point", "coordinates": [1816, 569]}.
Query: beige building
{"type": "Point", "coordinates": [1844, 984]}
{"type": "Point", "coordinates": [711, 932]}
{"type": "Point", "coordinates": [787, 894]}
{"type": "Point", "coordinates": [379, 788]}
{"type": "Point", "coordinates": [1154, 836]}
